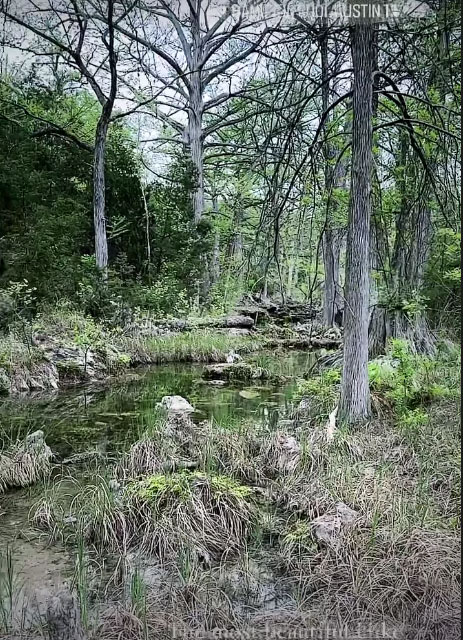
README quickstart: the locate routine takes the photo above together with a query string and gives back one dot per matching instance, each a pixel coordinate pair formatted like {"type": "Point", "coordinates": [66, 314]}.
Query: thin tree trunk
{"type": "Point", "coordinates": [331, 246]}
{"type": "Point", "coordinates": [99, 184]}
{"type": "Point", "coordinates": [236, 241]}
{"type": "Point", "coordinates": [99, 196]}
{"type": "Point", "coordinates": [215, 261]}
{"type": "Point", "coordinates": [195, 115]}
{"type": "Point", "coordinates": [331, 257]}
{"type": "Point", "coordinates": [354, 404]}
{"type": "Point", "coordinates": [147, 230]}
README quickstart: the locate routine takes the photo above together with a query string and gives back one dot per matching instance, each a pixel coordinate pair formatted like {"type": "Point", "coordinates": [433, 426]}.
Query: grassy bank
{"type": "Point", "coordinates": [65, 347]}
{"type": "Point", "coordinates": [202, 345]}
{"type": "Point", "coordinates": [362, 528]}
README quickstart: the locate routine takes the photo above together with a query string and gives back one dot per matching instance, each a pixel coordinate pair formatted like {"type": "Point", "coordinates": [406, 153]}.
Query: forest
{"type": "Point", "coordinates": [230, 301]}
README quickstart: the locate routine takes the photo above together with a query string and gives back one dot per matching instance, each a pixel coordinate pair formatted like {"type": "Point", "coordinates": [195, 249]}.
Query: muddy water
{"type": "Point", "coordinates": [109, 419]}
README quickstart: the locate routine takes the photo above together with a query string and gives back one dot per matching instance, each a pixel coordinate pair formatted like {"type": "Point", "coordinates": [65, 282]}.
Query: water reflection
{"type": "Point", "coordinates": [112, 417]}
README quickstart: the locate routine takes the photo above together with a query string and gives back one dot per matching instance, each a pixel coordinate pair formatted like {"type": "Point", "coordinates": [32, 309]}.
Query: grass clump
{"type": "Point", "coordinates": [196, 346]}
{"type": "Point", "coordinates": [24, 463]}
{"type": "Point", "coordinates": [163, 515]}
{"type": "Point", "coordinates": [210, 514]}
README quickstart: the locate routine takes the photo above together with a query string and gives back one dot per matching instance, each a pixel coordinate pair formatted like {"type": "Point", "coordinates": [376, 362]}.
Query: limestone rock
{"type": "Point", "coordinates": [176, 404]}
{"type": "Point", "coordinates": [328, 527]}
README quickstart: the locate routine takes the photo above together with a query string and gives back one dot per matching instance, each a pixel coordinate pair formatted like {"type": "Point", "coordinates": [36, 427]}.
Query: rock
{"type": "Point", "coordinates": [243, 322]}
{"type": "Point", "coordinates": [35, 440]}
{"type": "Point", "coordinates": [75, 364]}
{"type": "Point", "coordinates": [4, 382]}
{"type": "Point", "coordinates": [282, 454]}
{"type": "Point", "coordinates": [41, 376]}
{"type": "Point", "coordinates": [328, 527]}
{"type": "Point", "coordinates": [239, 372]}
{"type": "Point", "coordinates": [233, 357]}
{"type": "Point", "coordinates": [238, 331]}
{"type": "Point", "coordinates": [333, 333]}
{"type": "Point", "coordinates": [249, 394]}
{"type": "Point", "coordinates": [176, 404]}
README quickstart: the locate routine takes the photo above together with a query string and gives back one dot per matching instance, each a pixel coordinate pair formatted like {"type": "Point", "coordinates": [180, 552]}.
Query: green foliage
{"type": "Point", "coordinates": [412, 382]}
{"type": "Point", "coordinates": [47, 220]}
{"type": "Point", "coordinates": [321, 390]}
{"type": "Point", "coordinates": [17, 302]}
{"type": "Point", "coordinates": [443, 276]}
{"type": "Point", "coordinates": [153, 488]}
{"type": "Point", "coordinates": [412, 420]}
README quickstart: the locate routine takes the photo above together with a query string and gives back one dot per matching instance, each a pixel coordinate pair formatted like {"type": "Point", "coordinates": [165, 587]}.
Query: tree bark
{"type": "Point", "coordinates": [331, 240]}
{"type": "Point", "coordinates": [331, 256]}
{"type": "Point", "coordinates": [99, 196]}
{"type": "Point", "coordinates": [215, 261]}
{"type": "Point", "coordinates": [195, 114]}
{"type": "Point", "coordinates": [99, 183]}
{"type": "Point", "coordinates": [354, 404]}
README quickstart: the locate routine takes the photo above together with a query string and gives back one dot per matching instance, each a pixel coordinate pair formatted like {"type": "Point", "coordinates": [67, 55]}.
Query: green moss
{"type": "Point", "coordinates": [181, 486]}
{"type": "Point", "coordinates": [224, 485]}
{"type": "Point", "coordinates": [300, 534]}
{"type": "Point", "coordinates": [152, 487]}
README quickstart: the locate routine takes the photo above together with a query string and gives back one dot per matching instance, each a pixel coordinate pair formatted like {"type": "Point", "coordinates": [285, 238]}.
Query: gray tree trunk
{"type": "Point", "coordinates": [331, 292]}
{"type": "Point", "coordinates": [99, 196]}
{"type": "Point", "coordinates": [195, 115]}
{"type": "Point", "coordinates": [215, 261]}
{"type": "Point", "coordinates": [331, 241]}
{"type": "Point", "coordinates": [354, 403]}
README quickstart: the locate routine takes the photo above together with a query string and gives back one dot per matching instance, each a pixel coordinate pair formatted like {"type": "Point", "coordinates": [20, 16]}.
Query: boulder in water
{"type": "Point", "coordinates": [176, 404]}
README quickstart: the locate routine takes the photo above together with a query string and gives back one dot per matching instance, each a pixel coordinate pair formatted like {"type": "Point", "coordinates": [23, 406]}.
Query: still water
{"type": "Point", "coordinates": [109, 418]}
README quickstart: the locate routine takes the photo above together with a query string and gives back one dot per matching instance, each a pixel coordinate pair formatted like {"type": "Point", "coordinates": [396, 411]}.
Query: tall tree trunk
{"type": "Point", "coordinates": [195, 114]}
{"type": "Point", "coordinates": [331, 257]}
{"type": "Point", "coordinates": [99, 184]}
{"type": "Point", "coordinates": [331, 241]}
{"type": "Point", "coordinates": [354, 404]}
{"type": "Point", "coordinates": [99, 196]}
{"type": "Point", "coordinates": [197, 158]}
{"type": "Point", "coordinates": [235, 246]}
{"type": "Point", "coordinates": [215, 261]}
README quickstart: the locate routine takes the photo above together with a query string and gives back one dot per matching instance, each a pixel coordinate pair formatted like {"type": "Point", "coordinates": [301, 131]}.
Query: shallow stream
{"type": "Point", "coordinates": [110, 418]}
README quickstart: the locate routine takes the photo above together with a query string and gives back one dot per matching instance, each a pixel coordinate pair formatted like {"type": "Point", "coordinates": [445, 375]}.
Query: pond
{"type": "Point", "coordinates": [113, 416]}
{"type": "Point", "coordinates": [110, 418]}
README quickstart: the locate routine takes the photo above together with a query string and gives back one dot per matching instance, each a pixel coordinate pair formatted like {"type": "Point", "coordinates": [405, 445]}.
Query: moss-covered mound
{"type": "Point", "coordinates": [168, 514]}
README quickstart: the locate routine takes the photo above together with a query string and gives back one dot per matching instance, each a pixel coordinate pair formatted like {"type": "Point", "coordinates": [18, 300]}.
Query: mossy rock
{"type": "Point", "coordinates": [240, 372]}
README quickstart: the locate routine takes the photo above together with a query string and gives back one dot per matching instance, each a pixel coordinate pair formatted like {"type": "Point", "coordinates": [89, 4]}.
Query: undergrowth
{"type": "Point", "coordinates": [231, 516]}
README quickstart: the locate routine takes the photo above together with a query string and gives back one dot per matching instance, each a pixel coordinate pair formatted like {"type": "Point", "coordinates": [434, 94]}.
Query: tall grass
{"type": "Point", "coordinates": [259, 495]}
{"type": "Point", "coordinates": [197, 346]}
